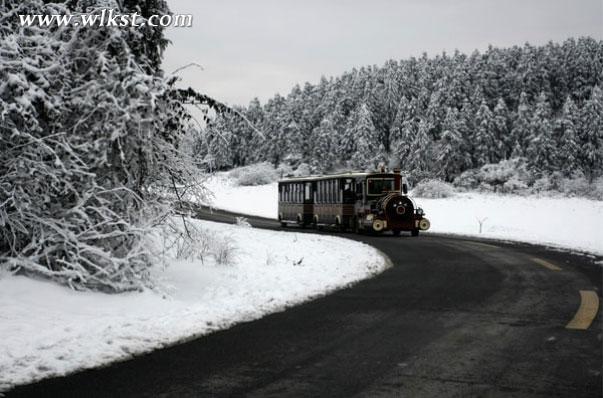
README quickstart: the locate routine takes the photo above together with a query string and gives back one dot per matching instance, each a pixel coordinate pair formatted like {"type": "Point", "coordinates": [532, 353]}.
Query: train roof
{"type": "Point", "coordinates": [333, 176]}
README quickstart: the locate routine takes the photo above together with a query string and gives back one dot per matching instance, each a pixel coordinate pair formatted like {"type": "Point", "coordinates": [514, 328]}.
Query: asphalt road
{"type": "Point", "coordinates": [453, 317]}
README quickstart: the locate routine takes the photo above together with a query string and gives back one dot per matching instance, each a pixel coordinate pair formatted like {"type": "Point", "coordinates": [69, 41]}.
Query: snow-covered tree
{"type": "Point", "coordinates": [485, 148]}
{"type": "Point", "coordinates": [452, 154]}
{"type": "Point", "coordinates": [220, 140]}
{"type": "Point", "coordinates": [521, 127]}
{"type": "Point", "coordinates": [568, 152]}
{"type": "Point", "coordinates": [420, 150]}
{"type": "Point", "coordinates": [323, 146]}
{"type": "Point", "coordinates": [365, 138]}
{"type": "Point", "coordinates": [591, 140]}
{"type": "Point", "coordinates": [90, 138]}
{"type": "Point", "coordinates": [502, 135]}
{"type": "Point", "coordinates": [541, 150]}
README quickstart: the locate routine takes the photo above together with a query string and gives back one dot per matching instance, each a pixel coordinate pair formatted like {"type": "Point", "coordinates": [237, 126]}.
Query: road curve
{"type": "Point", "coordinates": [454, 317]}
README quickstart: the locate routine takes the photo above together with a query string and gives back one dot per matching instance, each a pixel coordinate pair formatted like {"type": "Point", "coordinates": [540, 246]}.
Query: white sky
{"type": "Point", "coordinates": [257, 48]}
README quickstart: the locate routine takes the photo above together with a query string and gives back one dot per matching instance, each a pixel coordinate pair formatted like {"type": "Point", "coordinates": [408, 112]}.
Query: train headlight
{"type": "Point", "coordinates": [369, 217]}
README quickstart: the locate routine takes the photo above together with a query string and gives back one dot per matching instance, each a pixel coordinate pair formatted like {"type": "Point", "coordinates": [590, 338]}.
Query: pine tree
{"type": "Point", "coordinates": [521, 127]}
{"type": "Point", "coordinates": [324, 154]}
{"type": "Point", "coordinates": [452, 154]}
{"type": "Point", "coordinates": [484, 145]}
{"type": "Point", "coordinates": [541, 151]}
{"type": "Point", "coordinates": [220, 145]}
{"type": "Point", "coordinates": [420, 159]}
{"type": "Point", "coordinates": [364, 134]}
{"type": "Point", "coordinates": [591, 137]}
{"type": "Point", "coordinates": [402, 113]}
{"type": "Point", "coordinates": [502, 134]}
{"type": "Point", "coordinates": [293, 142]}
{"type": "Point", "coordinates": [568, 144]}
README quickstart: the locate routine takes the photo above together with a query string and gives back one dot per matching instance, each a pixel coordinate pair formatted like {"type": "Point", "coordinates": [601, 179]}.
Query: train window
{"type": "Point", "coordinates": [308, 190]}
{"type": "Point", "coordinates": [349, 187]}
{"type": "Point", "coordinates": [323, 190]}
{"type": "Point", "coordinates": [378, 186]}
{"type": "Point", "coordinates": [332, 191]}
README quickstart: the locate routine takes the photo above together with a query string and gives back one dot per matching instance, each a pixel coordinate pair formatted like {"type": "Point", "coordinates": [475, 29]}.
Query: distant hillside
{"type": "Point", "coordinates": [435, 116]}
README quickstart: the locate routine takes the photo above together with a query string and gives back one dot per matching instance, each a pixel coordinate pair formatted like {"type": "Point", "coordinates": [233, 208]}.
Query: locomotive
{"type": "Point", "coordinates": [371, 202]}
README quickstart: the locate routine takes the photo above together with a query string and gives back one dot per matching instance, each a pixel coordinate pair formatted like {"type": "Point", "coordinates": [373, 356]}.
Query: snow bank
{"type": "Point", "coordinates": [573, 223]}
{"type": "Point", "coordinates": [47, 330]}
{"type": "Point", "coordinates": [259, 200]}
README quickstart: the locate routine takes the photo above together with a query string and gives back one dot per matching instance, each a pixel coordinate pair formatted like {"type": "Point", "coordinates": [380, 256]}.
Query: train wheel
{"type": "Point", "coordinates": [396, 232]}
{"type": "Point", "coordinates": [414, 232]}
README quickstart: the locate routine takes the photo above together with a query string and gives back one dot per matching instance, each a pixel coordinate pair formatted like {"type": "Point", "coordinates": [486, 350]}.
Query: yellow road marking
{"type": "Point", "coordinates": [546, 264]}
{"type": "Point", "coordinates": [589, 306]}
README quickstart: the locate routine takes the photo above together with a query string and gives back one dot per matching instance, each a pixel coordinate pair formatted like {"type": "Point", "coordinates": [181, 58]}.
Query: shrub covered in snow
{"type": "Point", "coordinates": [284, 169]}
{"type": "Point", "coordinates": [185, 240]}
{"type": "Point", "coordinates": [89, 135]}
{"type": "Point", "coordinates": [433, 189]}
{"type": "Point", "coordinates": [303, 170]}
{"type": "Point", "coordinates": [579, 186]}
{"type": "Point", "coordinates": [505, 176]}
{"type": "Point", "coordinates": [255, 174]}
{"type": "Point", "coordinates": [513, 176]}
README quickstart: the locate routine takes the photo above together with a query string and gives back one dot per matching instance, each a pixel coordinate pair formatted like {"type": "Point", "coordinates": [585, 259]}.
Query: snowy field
{"type": "Point", "coordinates": [48, 330]}
{"type": "Point", "coordinates": [569, 223]}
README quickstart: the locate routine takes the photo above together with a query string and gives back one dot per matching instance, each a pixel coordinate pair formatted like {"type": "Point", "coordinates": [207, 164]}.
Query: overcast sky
{"type": "Point", "coordinates": [257, 48]}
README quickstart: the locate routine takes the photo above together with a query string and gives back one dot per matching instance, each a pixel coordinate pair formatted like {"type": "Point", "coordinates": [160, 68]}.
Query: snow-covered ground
{"type": "Point", "coordinates": [571, 223]}
{"type": "Point", "coordinates": [46, 329]}
{"type": "Point", "coordinates": [259, 200]}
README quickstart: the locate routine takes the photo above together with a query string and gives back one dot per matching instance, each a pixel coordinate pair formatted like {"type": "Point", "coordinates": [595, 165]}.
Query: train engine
{"type": "Point", "coordinates": [387, 207]}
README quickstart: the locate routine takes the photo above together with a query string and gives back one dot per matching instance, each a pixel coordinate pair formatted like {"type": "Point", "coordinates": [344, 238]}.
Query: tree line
{"type": "Point", "coordinates": [433, 116]}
